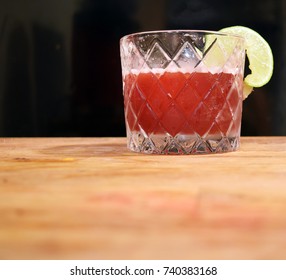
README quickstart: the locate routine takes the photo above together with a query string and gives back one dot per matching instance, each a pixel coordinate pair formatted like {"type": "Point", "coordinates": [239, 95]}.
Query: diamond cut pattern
{"type": "Point", "coordinates": [177, 117]}
{"type": "Point", "coordinates": [157, 57]}
{"type": "Point", "coordinates": [181, 112]}
{"type": "Point", "coordinates": [187, 57]}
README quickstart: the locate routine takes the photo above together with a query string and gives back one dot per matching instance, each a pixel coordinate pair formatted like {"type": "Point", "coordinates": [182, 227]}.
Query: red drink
{"type": "Point", "coordinates": [182, 91]}
{"type": "Point", "coordinates": [199, 104]}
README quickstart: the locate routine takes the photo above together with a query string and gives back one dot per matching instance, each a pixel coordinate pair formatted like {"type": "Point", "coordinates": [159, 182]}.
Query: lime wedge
{"type": "Point", "coordinates": [259, 55]}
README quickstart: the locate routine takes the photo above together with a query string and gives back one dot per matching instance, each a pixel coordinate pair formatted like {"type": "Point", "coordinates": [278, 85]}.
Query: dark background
{"type": "Point", "coordinates": [60, 69]}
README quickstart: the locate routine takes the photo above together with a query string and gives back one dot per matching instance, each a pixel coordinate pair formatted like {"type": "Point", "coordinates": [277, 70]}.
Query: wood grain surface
{"type": "Point", "coordinates": [90, 198]}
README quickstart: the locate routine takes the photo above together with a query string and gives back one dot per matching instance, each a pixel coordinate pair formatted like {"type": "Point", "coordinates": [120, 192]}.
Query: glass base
{"type": "Point", "coordinates": [181, 144]}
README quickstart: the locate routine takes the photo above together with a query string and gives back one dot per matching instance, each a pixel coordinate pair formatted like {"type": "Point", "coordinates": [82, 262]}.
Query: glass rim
{"type": "Point", "coordinates": [174, 31]}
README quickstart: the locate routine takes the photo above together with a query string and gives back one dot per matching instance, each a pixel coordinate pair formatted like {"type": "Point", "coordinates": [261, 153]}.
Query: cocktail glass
{"type": "Point", "coordinates": [182, 91]}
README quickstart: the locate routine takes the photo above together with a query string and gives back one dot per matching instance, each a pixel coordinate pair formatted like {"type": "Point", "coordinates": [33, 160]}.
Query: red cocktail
{"type": "Point", "coordinates": [182, 103]}
{"type": "Point", "coordinates": [176, 111]}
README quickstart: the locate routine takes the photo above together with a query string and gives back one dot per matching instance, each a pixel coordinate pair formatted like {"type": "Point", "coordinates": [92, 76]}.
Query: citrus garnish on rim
{"type": "Point", "coordinates": [259, 54]}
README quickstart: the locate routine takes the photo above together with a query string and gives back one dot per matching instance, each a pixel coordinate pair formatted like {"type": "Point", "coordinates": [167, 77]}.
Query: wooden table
{"type": "Point", "coordinates": [90, 198]}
